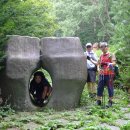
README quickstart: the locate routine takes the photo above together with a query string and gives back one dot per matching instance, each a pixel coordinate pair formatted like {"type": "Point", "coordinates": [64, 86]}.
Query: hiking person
{"type": "Point", "coordinates": [40, 88]}
{"type": "Point", "coordinates": [106, 65]}
{"type": "Point", "coordinates": [91, 70]}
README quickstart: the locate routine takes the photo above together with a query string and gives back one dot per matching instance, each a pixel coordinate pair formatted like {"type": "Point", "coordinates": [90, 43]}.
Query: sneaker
{"type": "Point", "coordinates": [98, 102]}
{"type": "Point", "coordinates": [109, 103]}
{"type": "Point", "coordinates": [45, 101]}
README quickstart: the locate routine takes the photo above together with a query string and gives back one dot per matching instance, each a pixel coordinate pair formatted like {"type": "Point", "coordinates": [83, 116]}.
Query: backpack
{"type": "Point", "coordinates": [116, 71]}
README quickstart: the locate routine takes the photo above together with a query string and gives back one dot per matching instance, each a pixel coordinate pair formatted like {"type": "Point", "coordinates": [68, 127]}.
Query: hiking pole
{"type": "Point", "coordinates": [103, 99]}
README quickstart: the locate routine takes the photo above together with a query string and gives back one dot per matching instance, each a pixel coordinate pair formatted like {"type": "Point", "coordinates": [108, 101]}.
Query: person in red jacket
{"type": "Point", "coordinates": [106, 65]}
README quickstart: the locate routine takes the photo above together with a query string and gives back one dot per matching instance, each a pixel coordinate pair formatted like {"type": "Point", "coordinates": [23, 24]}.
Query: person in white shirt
{"type": "Point", "coordinates": [92, 61]}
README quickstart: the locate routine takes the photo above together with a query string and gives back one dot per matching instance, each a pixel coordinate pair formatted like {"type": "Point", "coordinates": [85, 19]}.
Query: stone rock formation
{"type": "Point", "coordinates": [65, 61]}
{"type": "Point", "coordinates": [63, 58]}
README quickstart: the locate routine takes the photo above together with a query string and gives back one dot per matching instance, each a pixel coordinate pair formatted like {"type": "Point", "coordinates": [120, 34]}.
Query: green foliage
{"type": "Point", "coordinates": [87, 117]}
{"type": "Point", "coordinates": [123, 60]}
{"type": "Point", "coordinates": [30, 17]}
{"type": "Point", "coordinates": [120, 10]}
{"type": "Point", "coordinates": [126, 126]}
{"type": "Point", "coordinates": [26, 17]}
{"type": "Point", "coordinates": [94, 21]}
{"type": "Point", "coordinates": [5, 111]}
{"type": "Point", "coordinates": [83, 19]}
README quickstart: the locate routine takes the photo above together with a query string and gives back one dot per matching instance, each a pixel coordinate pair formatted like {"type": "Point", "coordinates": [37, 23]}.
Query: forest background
{"type": "Point", "coordinates": [90, 20]}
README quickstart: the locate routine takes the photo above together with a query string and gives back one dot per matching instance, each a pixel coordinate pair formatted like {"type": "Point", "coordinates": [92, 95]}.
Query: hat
{"type": "Point", "coordinates": [103, 44]}
{"type": "Point", "coordinates": [88, 44]}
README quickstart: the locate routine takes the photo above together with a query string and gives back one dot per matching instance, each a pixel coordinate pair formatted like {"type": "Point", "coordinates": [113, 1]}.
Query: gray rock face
{"type": "Point", "coordinates": [23, 55]}
{"type": "Point", "coordinates": [63, 58]}
{"type": "Point", "coordinates": [65, 61]}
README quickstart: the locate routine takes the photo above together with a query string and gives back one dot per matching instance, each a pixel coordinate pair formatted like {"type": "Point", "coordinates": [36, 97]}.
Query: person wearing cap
{"type": "Point", "coordinates": [40, 88]}
{"type": "Point", "coordinates": [106, 64]}
{"type": "Point", "coordinates": [91, 69]}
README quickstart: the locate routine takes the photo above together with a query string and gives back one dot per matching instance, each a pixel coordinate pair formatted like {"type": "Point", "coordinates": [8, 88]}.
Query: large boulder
{"type": "Point", "coordinates": [63, 58]}
{"type": "Point", "coordinates": [23, 56]}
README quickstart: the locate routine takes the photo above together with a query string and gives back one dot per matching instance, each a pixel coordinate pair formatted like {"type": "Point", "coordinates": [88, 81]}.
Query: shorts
{"type": "Point", "coordinates": [91, 77]}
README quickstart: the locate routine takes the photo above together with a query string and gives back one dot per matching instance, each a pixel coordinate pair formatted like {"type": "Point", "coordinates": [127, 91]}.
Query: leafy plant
{"type": "Point", "coordinates": [6, 110]}
{"type": "Point", "coordinates": [126, 126]}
